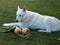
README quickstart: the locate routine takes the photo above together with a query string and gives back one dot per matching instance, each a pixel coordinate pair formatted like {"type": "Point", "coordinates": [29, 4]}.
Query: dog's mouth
{"type": "Point", "coordinates": [17, 21]}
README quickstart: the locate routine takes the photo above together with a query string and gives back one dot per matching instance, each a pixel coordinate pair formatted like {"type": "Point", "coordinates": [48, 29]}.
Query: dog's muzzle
{"type": "Point", "coordinates": [16, 20]}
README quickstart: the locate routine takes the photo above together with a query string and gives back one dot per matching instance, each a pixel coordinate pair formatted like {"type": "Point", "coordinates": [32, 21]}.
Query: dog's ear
{"type": "Point", "coordinates": [18, 7]}
{"type": "Point", "coordinates": [24, 8]}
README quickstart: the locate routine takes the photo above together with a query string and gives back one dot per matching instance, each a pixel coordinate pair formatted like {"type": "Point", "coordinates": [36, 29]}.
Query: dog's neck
{"type": "Point", "coordinates": [27, 17]}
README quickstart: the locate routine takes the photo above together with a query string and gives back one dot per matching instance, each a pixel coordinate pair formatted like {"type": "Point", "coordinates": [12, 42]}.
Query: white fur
{"type": "Point", "coordinates": [35, 20]}
{"type": "Point", "coordinates": [10, 24]}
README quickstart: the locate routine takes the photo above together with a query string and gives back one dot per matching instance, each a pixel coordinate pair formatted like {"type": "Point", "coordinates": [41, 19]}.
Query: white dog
{"type": "Point", "coordinates": [33, 20]}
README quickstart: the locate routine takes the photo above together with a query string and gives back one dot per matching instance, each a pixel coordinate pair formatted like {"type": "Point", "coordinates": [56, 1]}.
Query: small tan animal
{"type": "Point", "coordinates": [18, 31]}
{"type": "Point", "coordinates": [25, 31]}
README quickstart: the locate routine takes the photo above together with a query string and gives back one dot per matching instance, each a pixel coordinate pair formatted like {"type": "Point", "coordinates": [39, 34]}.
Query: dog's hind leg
{"type": "Point", "coordinates": [48, 26]}
{"type": "Point", "coordinates": [47, 30]}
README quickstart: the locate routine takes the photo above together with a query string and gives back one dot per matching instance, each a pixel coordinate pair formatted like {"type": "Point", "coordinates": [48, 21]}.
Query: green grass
{"type": "Point", "coordinates": [46, 7]}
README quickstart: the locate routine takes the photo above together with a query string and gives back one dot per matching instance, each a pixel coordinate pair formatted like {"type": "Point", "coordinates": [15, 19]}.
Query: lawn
{"type": "Point", "coordinates": [46, 7]}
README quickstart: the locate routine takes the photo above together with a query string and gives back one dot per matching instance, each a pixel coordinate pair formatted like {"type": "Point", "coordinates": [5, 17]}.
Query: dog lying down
{"type": "Point", "coordinates": [33, 20]}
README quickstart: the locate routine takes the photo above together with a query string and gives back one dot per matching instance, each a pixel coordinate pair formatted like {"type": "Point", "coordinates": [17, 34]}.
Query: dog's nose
{"type": "Point", "coordinates": [16, 20]}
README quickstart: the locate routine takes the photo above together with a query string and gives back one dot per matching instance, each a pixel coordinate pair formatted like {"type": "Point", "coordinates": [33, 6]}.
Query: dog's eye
{"type": "Point", "coordinates": [19, 15]}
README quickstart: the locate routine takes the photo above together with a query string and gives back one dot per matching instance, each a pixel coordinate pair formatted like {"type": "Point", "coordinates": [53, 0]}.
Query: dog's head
{"type": "Point", "coordinates": [20, 14]}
